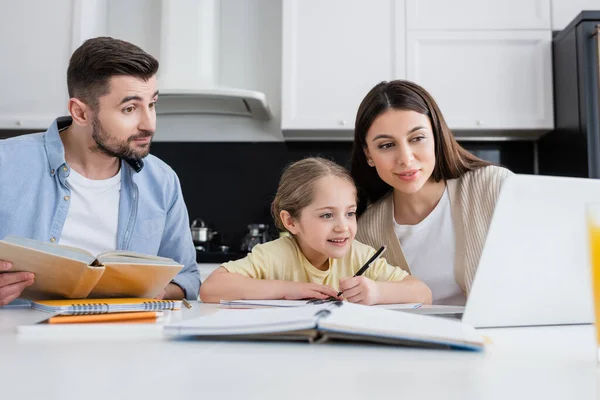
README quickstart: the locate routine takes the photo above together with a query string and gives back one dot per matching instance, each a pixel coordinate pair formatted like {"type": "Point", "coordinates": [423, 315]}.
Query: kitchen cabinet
{"type": "Point", "coordinates": [477, 14]}
{"type": "Point", "coordinates": [486, 80]}
{"type": "Point", "coordinates": [333, 53]}
{"type": "Point", "coordinates": [487, 64]}
{"type": "Point", "coordinates": [565, 11]}
{"type": "Point", "coordinates": [35, 50]}
{"type": "Point", "coordinates": [33, 73]}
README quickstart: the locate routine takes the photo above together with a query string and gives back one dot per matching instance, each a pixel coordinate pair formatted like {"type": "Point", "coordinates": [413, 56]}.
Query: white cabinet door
{"type": "Point", "coordinates": [334, 52]}
{"type": "Point", "coordinates": [35, 52]}
{"type": "Point", "coordinates": [485, 79]}
{"type": "Point", "coordinates": [564, 11]}
{"type": "Point", "coordinates": [477, 14]}
{"type": "Point", "coordinates": [38, 39]}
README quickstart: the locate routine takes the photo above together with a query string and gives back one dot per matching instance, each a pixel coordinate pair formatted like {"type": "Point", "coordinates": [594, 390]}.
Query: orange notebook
{"type": "Point", "coordinates": [104, 306]}
{"type": "Point", "coordinates": [133, 317]}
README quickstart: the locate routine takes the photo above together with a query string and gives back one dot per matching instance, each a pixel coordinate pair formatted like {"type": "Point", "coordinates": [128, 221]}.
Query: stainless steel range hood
{"type": "Point", "coordinates": [189, 58]}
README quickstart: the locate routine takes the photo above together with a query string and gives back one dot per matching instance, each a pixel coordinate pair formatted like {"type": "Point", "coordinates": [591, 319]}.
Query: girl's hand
{"type": "Point", "coordinates": [301, 290]}
{"type": "Point", "coordinates": [360, 290]}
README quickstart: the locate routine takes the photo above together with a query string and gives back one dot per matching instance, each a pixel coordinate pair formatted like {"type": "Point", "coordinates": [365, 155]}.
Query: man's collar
{"type": "Point", "coordinates": [54, 147]}
{"type": "Point", "coordinates": [137, 165]}
{"type": "Point", "coordinates": [56, 151]}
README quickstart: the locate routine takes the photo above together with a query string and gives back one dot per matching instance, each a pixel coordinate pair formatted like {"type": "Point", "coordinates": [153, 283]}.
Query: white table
{"type": "Point", "coordinates": [522, 363]}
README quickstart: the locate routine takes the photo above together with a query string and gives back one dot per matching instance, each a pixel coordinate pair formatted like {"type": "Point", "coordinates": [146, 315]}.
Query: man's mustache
{"type": "Point", "coordinates": [140, 135]}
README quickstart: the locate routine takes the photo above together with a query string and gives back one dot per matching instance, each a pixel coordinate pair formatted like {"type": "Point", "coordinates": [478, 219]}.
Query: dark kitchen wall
{"type": "Point", "coordinates": [230, 185]}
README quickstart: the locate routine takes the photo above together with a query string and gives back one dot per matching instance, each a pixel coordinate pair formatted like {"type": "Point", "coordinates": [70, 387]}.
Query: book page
{"type": "Point", "coordinates": [72, 253]}
{"type": "Point", "coordinates": [365, 320]}
{"type": "Point", "coordinates": [134, 279]}
{"type": "Point", "coordinates": [55, 276]}
{"type": "Point", "coordinates": [125, 256]}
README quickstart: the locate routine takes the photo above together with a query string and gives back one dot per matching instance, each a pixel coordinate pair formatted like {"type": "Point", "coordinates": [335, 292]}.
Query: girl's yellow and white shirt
{"type": "Point", "coordinates": [282, 259]}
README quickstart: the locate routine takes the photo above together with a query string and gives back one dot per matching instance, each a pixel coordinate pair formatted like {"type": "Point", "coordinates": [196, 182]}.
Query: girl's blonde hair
{"type": "Point", "coordinates": [296, 186]}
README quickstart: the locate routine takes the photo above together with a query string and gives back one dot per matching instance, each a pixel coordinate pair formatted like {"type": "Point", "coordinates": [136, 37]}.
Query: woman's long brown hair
{"type": "Point", "coordinates": [451, 160]}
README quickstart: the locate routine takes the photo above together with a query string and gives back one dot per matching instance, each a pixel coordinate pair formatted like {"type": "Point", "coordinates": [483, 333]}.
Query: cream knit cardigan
{"type": "Point", "coordinates": [472, 200]}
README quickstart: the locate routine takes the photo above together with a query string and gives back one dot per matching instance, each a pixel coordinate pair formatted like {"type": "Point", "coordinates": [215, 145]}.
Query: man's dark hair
{"type": "Point", "coordinates": [99, 59]}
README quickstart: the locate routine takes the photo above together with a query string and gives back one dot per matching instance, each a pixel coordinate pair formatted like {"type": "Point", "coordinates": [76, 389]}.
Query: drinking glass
{"type": "Point", "coordinates": [593, 223]}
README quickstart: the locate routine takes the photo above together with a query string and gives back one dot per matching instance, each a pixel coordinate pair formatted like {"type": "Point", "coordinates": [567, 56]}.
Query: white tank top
{"type": "Point", "coordinates": [429, 248]}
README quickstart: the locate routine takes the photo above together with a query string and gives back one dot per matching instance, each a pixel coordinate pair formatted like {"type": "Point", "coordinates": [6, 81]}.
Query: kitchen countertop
{"type": "Point", "coordinates": [206, 269]}
{"type": "Point", "coordinates": [217, 256]}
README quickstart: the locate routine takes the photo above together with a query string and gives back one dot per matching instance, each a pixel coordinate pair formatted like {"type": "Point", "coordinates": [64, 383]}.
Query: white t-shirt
{"type": "Point", "coordinates": [429, 248]}
{"type": "Point", "coordinates": [93, 214]}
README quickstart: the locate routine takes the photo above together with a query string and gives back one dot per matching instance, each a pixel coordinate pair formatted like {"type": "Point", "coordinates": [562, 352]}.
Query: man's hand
{"type": "Point", "coordinates": [360, 290]}
{"type": "Point", "coordinates": [301, 290]}
{"type": "Point", "coordinates": [12, 284]}
{"type": "Point", "coordinates": [171, 292]}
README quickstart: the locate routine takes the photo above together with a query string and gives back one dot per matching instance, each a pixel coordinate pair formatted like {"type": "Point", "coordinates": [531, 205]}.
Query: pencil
{"type": "Point", "coordinates": [367, 264]}
{"type": "Point", "coordinates": [110, 317]}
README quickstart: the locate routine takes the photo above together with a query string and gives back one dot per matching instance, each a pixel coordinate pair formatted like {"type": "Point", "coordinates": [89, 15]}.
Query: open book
{"type": "Point", "coordinates": [68, 272]}
{"type": "Point", "coordinates": [335, 320]}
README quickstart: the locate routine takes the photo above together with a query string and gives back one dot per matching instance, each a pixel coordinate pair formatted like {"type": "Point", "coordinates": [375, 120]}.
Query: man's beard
{"type": "Point", "coordinates": [112, 147]}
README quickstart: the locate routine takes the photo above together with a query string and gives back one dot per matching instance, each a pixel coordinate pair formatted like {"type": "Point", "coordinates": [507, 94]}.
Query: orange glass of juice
{"type": "Point", "coordinates": [593, 222]}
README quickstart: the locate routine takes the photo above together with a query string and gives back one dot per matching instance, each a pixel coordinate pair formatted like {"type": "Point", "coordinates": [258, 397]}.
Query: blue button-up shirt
{"type": "Point", "coordinates": [153, 218]}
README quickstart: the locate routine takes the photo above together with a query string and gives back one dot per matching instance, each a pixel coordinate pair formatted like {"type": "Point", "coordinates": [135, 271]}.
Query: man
{"type": "Point", "coordinates": [88, 181]}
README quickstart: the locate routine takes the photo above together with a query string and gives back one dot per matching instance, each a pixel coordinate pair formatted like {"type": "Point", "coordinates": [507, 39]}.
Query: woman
{"type": "Point", "coordinates": [430, 201]}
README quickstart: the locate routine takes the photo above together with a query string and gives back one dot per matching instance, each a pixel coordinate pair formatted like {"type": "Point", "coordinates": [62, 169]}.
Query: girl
{"type": "Point", "coordinates": [316, 204]}
{"type": "Point", "coordinates": [425, 191]}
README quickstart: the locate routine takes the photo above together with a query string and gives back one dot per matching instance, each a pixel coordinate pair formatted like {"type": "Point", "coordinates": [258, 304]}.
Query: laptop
{"type": "Point", "coordinates": [534, 268]}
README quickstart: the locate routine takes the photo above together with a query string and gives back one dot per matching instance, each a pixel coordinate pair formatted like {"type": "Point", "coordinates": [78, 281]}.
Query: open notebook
{"type": "Point", "coordinates": [297, 303]}
{"type": "Point", "coordinates": [63, 271]}
{"type": "Point", "coordinates": [337, 321]}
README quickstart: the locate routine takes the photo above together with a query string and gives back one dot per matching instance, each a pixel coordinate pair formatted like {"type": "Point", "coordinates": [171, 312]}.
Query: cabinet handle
{"type": "Point", "coordinates": [342, 122]}
{"type": "Point", "coordinates": [18, 122]}
{"type": "Point", "coordinates": [479, 122]}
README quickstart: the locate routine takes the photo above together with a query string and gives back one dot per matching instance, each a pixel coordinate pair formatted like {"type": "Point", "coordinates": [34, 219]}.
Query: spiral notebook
{"type": "Point", "coordinates": [103, 306]}
{"type": "Point", "coordinates": [331, 321]}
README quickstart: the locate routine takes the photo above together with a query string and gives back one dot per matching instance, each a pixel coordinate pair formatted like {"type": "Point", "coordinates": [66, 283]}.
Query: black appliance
{"type": "Point", "coordinates": [573, 148]}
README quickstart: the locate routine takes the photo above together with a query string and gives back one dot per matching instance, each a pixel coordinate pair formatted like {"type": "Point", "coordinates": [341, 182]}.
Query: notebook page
{"type": "Point", "coordinates": [244, 322]}
{"type": "Point", "coordinates": [263, 303]}
{"type": "Point", "coordinates": [403, 306]}
{"type": "Point", "coordinates": [353, 318]}
{"type": "Point", "coordinates": [301, 303]}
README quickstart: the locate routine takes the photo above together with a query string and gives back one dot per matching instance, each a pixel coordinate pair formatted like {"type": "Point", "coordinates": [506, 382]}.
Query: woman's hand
{"type": "Point", "coordinates": [360, 290]}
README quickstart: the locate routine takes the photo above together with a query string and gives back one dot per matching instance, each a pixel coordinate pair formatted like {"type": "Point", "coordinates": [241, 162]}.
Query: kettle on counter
{"type": "Point", "coordinates": [257, 234]}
